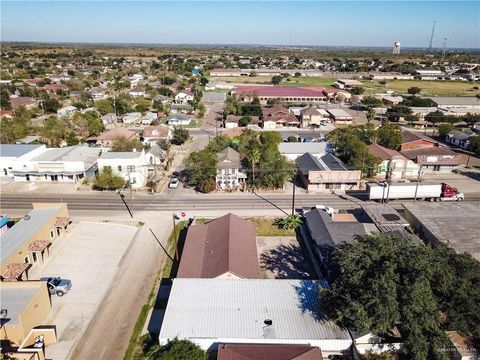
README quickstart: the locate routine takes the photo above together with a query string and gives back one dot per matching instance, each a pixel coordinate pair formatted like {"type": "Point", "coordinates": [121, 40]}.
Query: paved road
{"type": "Point", "coordinates": [172, 202]}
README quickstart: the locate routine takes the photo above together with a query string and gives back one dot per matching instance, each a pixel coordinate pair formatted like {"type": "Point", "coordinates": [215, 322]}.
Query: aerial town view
{"type": "Point", "coordinates": [240, 180]}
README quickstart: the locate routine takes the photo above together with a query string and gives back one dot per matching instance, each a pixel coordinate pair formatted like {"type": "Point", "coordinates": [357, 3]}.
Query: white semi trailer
{"type": "Point", "coordinates": [426, 191]}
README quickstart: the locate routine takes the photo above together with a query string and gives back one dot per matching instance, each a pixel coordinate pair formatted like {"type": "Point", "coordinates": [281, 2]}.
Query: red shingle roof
{"type": "Point", "coordinates": [13, 271]}
{"type": "Point", "coordinates": [226, 244]}
{"type": "Point", "coordinates": [281, 91]}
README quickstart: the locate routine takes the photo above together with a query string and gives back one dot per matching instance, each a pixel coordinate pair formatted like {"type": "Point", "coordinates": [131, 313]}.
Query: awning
{"type": "Point", "coordinates": [14, 271]}
{"type": "Point", "coordinates": [62, 221]}
{"type": "Point", "coordinates": [39, 245]}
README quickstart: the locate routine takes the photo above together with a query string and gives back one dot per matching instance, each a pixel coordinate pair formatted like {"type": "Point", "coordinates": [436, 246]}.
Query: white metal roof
{"type": "Point", "coordinates": [237, 309]}
{"type": "Point", "coordinates": [303, 147]}
{"type": "Point", "coordinates": [16, 150]}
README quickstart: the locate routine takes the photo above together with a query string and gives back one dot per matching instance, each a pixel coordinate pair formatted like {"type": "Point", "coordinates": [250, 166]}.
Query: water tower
{"type": "Point", "coordinates": [396, 47]}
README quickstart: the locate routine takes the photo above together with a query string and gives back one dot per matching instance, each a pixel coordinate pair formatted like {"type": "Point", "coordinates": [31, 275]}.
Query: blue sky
{"type": "Point", "coordinates": [329, 23]}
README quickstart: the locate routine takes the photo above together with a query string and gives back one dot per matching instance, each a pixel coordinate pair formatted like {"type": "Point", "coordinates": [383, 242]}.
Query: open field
{"type": "Point", "coordinates": [429, 87]}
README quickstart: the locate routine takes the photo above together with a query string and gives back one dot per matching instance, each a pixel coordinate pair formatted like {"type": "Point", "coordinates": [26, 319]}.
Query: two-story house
{"type": "Point", "coordinates": [229, 175]}
{"type": "Point", "coordinates": [131, 166]}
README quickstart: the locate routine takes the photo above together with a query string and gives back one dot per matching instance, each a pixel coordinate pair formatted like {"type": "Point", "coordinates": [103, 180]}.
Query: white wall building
{"type": "Point", "coordinates": [131, 118]}
{"type": "Point", "coordinates": [132, 166]}
{"type": "Point", "coordinates": [66, 111]}
{"type": "Point", "coordinates": [255, 311]}
{"type": "Point", "coordinates": [294, 150]}
{"type": "Point", "coordinates": [148, 118]}
{"type": "Point", "coordinates": [179, 119]}
{"type": "Point", "coordinates": [67, 164]}
{"type": "Point", "coordinates": [183, 97]}
{"type": "Point", "coordinates": [17, 156]}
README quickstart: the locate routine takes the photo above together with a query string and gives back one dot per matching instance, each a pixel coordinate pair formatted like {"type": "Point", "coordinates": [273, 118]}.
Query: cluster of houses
{"type": "Point", "coordinates": [297, 117]}
{"type": "Point", "coordinates": [71, 164]}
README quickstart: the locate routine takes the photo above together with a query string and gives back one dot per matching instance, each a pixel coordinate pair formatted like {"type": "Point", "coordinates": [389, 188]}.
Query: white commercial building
{"type": "Point", "coordinates": [255, 311]}
{"type": "Point", "coordinates": [66, 111]}
{"type": "Point", "coordinates": [131, 166]}
{"type": "Point", "coordinates": [17, 156]}
{"type": "Point", "coordinates": [294, 150]}
{"type": "Point", "coordinates": [67, 164]}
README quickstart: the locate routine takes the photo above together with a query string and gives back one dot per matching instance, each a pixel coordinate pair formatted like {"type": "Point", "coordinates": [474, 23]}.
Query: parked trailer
{"type": "Point", "coordinates": [427, 191]}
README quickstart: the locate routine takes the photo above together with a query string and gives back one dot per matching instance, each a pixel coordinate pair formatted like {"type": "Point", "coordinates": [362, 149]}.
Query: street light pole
{"type": "Point", "coordinates": [418, 180]}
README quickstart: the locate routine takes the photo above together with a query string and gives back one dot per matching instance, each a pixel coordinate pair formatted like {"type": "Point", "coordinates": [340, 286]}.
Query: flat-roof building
{"type": "Point", "coordinates": [453, 224]}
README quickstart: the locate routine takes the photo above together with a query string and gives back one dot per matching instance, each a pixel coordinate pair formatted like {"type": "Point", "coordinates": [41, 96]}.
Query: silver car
{"type": "Point", "coordinates": [57, 285]}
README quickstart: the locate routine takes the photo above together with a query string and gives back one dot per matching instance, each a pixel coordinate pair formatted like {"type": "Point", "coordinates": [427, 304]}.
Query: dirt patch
{"type": "Point", "coordinates": [284, 257]}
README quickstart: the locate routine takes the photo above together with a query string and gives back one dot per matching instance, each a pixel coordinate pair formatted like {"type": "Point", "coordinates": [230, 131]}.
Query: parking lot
{"type": "Point", "coordinates": [283, 257]}
{"type": "Point", "coordinates": [89, 256]}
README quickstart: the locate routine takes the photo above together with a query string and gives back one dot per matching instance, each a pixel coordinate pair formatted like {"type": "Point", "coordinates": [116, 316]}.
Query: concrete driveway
{"type": "Point", "coordinates": [89, 255]}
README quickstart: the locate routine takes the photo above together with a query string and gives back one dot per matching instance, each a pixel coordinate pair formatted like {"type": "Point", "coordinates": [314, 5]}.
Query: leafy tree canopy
{"type": "Point", "coordinates": [106, 180]}
{"type": "Point", "coordinates": [180, 135]}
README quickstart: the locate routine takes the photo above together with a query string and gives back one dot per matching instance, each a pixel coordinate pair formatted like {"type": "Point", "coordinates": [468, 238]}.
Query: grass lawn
{"type": "Point", "coordinates": [429, 87]}
{"type": "Point", "coordinates": [266, 227]}
{"type": "Point", "coordinates": [263, 227]}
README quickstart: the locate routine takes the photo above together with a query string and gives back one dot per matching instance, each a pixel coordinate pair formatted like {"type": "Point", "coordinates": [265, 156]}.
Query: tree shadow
{"type": "Point", "coordinates": [287, 262]}
{"type": "Point", "coordinates": [307, 292]}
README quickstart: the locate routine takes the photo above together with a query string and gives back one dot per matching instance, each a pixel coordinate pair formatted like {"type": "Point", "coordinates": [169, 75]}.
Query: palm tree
{"type": "Point", "coordinates": [370, 114]}
{"type": "Point", "coordinates": [254, 158]}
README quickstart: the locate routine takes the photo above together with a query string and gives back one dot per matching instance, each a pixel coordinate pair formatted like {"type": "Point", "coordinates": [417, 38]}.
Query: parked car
{"type": "Point", "coordinates": [174, 183]}
{"type": "Point", "coordinates": [57, 285]}
{"type": "Point", "coordinates": [329, 210]}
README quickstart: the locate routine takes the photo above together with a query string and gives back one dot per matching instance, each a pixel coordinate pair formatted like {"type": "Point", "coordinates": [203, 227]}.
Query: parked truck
{"type": "Point", "coordinates": [425, 191]}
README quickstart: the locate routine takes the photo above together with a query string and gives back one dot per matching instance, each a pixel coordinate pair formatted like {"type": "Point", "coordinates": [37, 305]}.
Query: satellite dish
{"type": "Point", "coordinates": [3, 313]}
{"type": "Point", "coordinates": [26, 217]}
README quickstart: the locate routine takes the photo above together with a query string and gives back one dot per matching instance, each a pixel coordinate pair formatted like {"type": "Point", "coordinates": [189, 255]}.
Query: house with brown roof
{"type": "Point", "coordinates": [233, 121]}
{"type": "Point", "coordinates": [431, 155]}
{"type": "Point", "coordinates": [152, 134]}
{"type": "Point", "coordinates": [278, 116]}
{"type": "Point", "coordinates": [24, 101]}
{"type": "Point", "coordinates": [27, 242]}
{"type": "Point", "coordinates": [394, 162]}
{"type": "Point", "coordinates": [268, 352]}
{"type": "Point", "coordinates": [313, 117]}
{"type": "Point", "coordinates": [224, 248]}
{"type": "Point", "coordinates": [107, 138]}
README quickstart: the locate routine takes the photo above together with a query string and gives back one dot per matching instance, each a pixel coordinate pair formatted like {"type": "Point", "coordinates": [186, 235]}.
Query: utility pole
{"type": "Point", "coordinates": [175, 237]}
{"type": "Point", "coordinates": [418, 180]}
{"type": "Point", "coordinates": [444, 46]}
{"type": "Point", "coordinates": [293, 196]}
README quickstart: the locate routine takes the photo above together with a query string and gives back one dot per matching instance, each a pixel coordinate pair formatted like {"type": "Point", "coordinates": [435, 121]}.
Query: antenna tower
{"type": "Point", "coordinates": [431, 38]}
{"type": "Point", "coordinates": [445, 38]}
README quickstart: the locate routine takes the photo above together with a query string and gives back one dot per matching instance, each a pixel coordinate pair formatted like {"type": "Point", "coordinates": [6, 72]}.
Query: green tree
{"type": "Point", "coordinates": [254, 157]}
{"type": "Point", "coordinates": [289, 222]}
{"type": "Point", "coordinates": [435, 116]}
{"type": "Point", "coordinates": [53, 131]}
{"type": "Point", "coordinates": [245, 121]}
{"type": "Point", "coordinates": [94, 125]}
{"type": "Point", "coordinates": [104, 106]}
{"type": "Point", "coordinates": [122, 144]}
{"type": "Point", "coordinates": [370, 115]}
{"type": "Point", "coordinates": [206, 186]}
{"type": "Point", "coordinates": [380, 281]}
{"type": "Point", "coordinates": [178, 350]}
{"type": "Point", "coordinates": [395, 112]}
{"type": "Point", "coordinates": [201, 110]}
{"type": "Point", "coordinates": [164, 144]}
{"type": "Point", "coordinates": [475, 144]}
{"type": "Point", "coordinates": [106, 180]}
{"type": "Point", "coordinates": [414, 90]}
{"type": "Point", "coordinates": [444, 129]}
{"type": "Point", "coordinates": [71, 139]}
{"type": "Point", "coordinates": [51, 106]}
{"type": "Point", "coordinates": [203, 81]}
{"type": "Point", "coordinates": [292, 138]}
{"type": "Point", "coordinates": [357, 90]}
{"type": "Point", "coordinates": [277, 79]}
{"type": "Point", "coordinates": [180, 135]}
{"type": "Point", "coordinates": [5, 100]}
{"type": "Point", "coordinates": [371, 101]}
{"type": "Point", "coordinates": [12, 129]}
{"type": "Point", "coordinates": [389, 135]}
{"type": "Point", "coordinates": [200, 166]}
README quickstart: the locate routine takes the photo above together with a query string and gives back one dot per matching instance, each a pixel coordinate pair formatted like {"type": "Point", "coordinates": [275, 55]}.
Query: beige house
{"type": "Point", "coordinates": [391, 160]}
{"type": "Point", "coordinates": [26, 305]}
{"type": "Point", "coordinates": [327, 173]}
{"type": "Point", "coordinates": [29, 240]}
{"type": "Point", "coordinates": [312, 117]}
